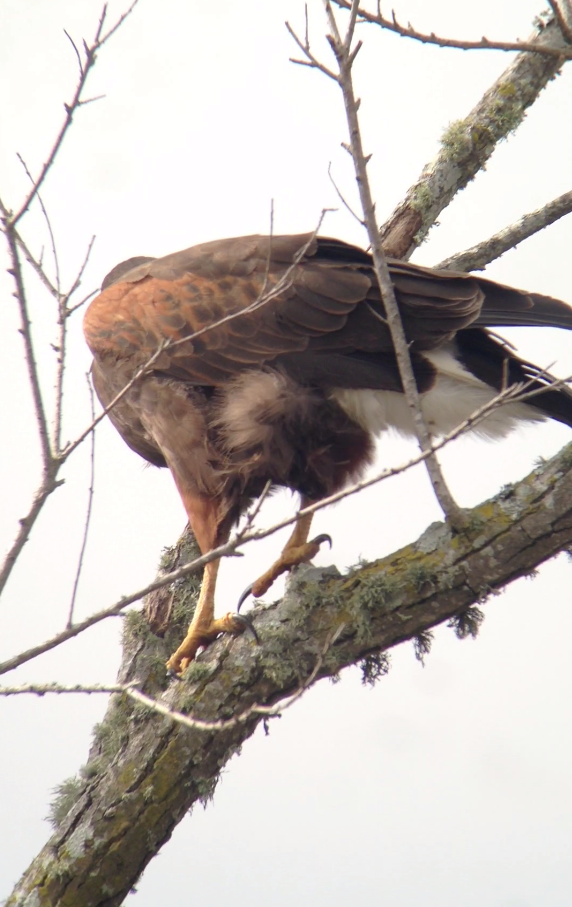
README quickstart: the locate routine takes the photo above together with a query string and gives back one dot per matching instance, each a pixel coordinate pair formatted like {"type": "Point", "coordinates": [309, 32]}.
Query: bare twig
{"type": "Point", "coordinates": [342, 199]}
{"type": "Point", "coordinates": [63, 313]}
{"type": "Point", "coordinates": [310, 60]}
{"type": "Point", "coordinates": [90, 52]}
{"type": "Point", "coordinates": [345, 57]}
{"type": "Point", "coordinates": [82, 302]}
{"type": "Point", "coordinates": [49, 484]}
{"type": "Point", "coordinates": [88, 509]}
{"type": "Point", "coordinates": [49, 226]}
{"type": "Point", "coordinates": [477, 257]}
{"type": "Point", "coordinates": [26, 331]}
{"type": "Point", "coordinates": [252, 514]}
{"type": "Point", "coordinates": [132, 692]}
{"type": "Point", "coordinates": [407, 31]}
{"type": "Point", "coordinates": [562, 18]}
{"type": "Point", "coordinates": [52, 458]}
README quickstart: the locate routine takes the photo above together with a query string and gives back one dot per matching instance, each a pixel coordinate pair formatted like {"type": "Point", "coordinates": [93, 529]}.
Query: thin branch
{"type": "Point", "coordinates": [132, 692]}
{"type": "Point", "coordinates": [304, 46]}
{"type": "Point", "coordinates": [342, 199]}
{"type": "Point", "coordinates": [31, 364]}
{"type": "Point", "coordinates": [407, 31]}
{"type": "Point", "coordinates": [477, 257]}
{"type": "Point", "coordinates": [35, 263]}
{"type": "Point", "coordinates": [48, 224]}
{"type": "Point", "coordinates": [118, 24]}
{"type": "Point", "coordinates": [63, 313]}
{"type": "Point", "coordinates": [561, 18]}
{"type": "Point", "coordinates": [85, 69]}
{"type": "Point", "coordinates": [77, 53]}
{"type": "Point", "coordinates": [82, 302]}
{"type": "Point", "coordinates": [88, 509]}
{"type": "Point", "coordinates": [252, 514]}
{"type": "Point", "coordinates": [345, 58]}
{"type": "Point", "coordinates": [49, 484]}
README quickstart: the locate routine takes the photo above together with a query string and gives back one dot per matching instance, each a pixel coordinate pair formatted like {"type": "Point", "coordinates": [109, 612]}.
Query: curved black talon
{"type": "Point", "coordinates": [320, 539]}
{"type": "Point", "coordinates": [244, 596]}
{"type": "Point", "coordinates": [247, 624]}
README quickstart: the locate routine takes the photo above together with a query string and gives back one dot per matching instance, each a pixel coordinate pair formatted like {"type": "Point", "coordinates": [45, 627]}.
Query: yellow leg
{"type": "Point", "coordinates": [203, 627]}
{"type": "Point", "coordinates": [297, 550]}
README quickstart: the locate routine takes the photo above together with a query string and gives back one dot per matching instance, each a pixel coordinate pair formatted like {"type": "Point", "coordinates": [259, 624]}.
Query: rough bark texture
{"type": "Point", "coordinates": [145, 771]}
{"type": "Point", "coordinates": [468, 144]}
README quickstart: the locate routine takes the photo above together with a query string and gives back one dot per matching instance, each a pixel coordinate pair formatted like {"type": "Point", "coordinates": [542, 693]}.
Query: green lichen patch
{"type": "Point", "coordinates": [65, 797]}
{"type": "Point", "coordinates": [422, 199]}
{"type": "Point", "coordinates": [456, 141]}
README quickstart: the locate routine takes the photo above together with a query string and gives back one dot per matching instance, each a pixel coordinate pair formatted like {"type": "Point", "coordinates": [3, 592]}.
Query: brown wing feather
{"type": "Point", "coordinates": [328, 303]}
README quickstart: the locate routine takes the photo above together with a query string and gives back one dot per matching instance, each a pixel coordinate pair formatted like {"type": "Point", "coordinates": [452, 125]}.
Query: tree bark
{"type": "Point", "coordinates": [467, 144]}
{"type": "Point", "coordinates": [146, 771]}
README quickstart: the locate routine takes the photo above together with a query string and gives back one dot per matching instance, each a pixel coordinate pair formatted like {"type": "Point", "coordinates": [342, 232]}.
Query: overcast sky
{"type": "Point", "coordinates": [446, 785]}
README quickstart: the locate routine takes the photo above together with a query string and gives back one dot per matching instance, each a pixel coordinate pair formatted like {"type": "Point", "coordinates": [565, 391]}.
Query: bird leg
{"type": "Point", "coordinates": [297, 550]}
{"type": "Point", "coordinates": [203, 627]}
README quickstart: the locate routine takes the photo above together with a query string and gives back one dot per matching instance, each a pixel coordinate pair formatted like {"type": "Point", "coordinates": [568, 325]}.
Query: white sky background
{"type": "Point", "coordinates": [448, 785]}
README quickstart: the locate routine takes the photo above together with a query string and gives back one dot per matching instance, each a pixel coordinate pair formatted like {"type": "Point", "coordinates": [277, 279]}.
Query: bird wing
{"type": "Point", "coordinates": [308, 305]}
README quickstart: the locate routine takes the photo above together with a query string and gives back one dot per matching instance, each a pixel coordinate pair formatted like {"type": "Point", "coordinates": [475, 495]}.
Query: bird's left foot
{"type": "Point", "coordinates": [200, 637]}
{"type": "Point", "coordinates": [292, 556]}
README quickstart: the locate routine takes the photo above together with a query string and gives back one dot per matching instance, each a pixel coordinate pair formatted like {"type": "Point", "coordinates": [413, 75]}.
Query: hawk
{"type": "Point", "coordinates": [268, 359]}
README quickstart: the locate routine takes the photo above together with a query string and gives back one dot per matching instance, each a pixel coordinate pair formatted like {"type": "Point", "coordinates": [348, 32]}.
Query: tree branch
{"type": "Point", "coordinates": [160, 769]}
{"type": "Point", "coordinates": [407, 31]}
{"type": "Point", "coordinates": [85, 68]}
{"type": "Point", "coordinates": [467, 144]}
{"type": "Point", "coordinates": [478, 257]}
{"type": "Point", "coordinates": [345, 57]}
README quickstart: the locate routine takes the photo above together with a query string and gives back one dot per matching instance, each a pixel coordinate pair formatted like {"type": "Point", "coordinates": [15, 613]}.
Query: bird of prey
{"type": "Point", "coordinates": [268, 359]}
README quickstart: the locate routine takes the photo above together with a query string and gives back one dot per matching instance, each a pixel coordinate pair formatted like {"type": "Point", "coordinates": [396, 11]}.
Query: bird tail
{"type": "Point", "coordinates": [506, 307]}
{"type": "Point", "coordinates": [492, 360]}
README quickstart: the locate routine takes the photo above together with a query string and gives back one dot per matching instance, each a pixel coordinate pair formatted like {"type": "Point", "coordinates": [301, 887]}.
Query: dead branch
{"type": "Point", "coordinates": [88, 510]}
{"type": "Point", "coordinates": [86, 65]}
{"type": "Point", "coordinates": [407, 31]}
{"type": "Point", "coordinates": [345, 57]}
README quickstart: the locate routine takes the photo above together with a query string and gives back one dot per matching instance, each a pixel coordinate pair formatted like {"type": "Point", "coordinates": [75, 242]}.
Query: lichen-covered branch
{"type": "Point", "coordinates": [478, 257]}
{"type": "Point", "coordinates": [467, 144]}
{"type": "Point", "coordinates": [145, 772]}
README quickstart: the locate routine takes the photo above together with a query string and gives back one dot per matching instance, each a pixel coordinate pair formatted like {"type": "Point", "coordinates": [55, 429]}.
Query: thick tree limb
{"type": "Point", "coordinates": [145, 772]}
{"type": "Point", "coordinates": [467, 144]}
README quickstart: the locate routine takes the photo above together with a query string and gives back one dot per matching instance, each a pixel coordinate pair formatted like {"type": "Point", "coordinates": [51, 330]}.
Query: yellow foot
{"type": "Point", "coordinates": [292, 556]}
{"type": "Point", "coordinates": [200, 636]}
